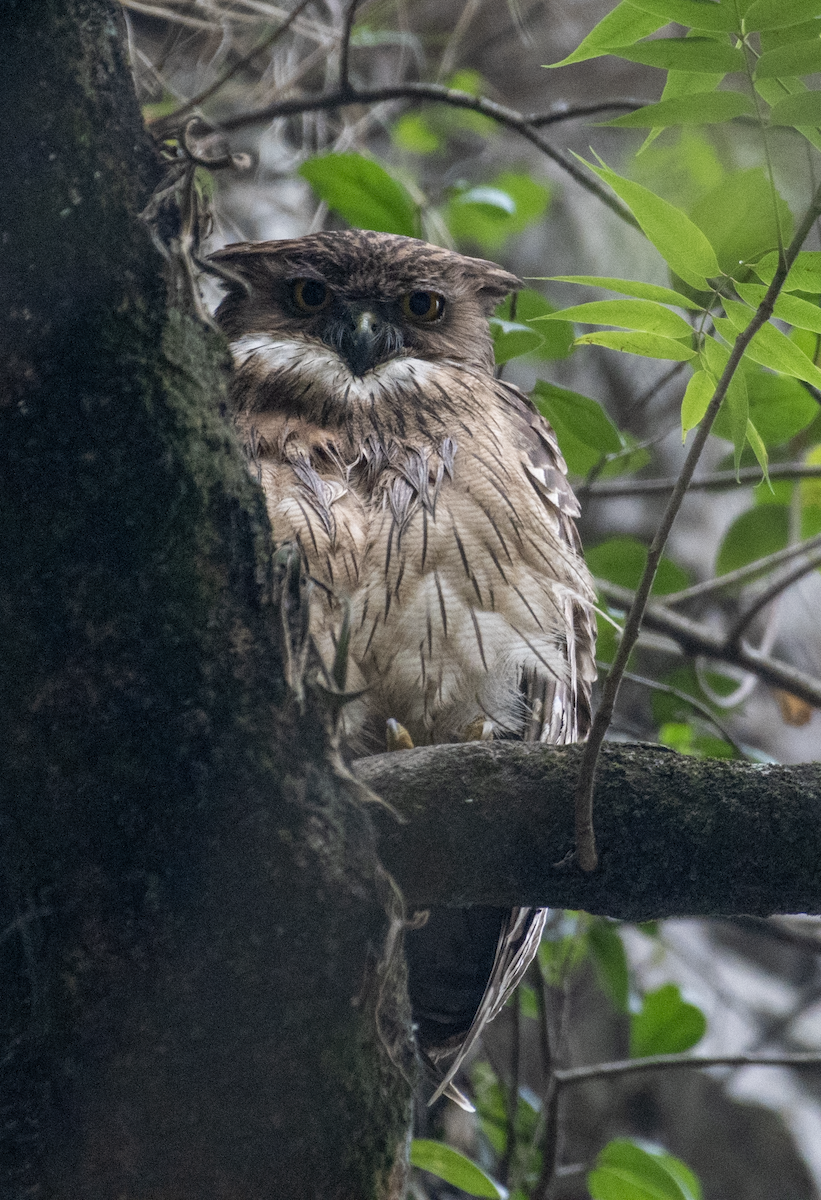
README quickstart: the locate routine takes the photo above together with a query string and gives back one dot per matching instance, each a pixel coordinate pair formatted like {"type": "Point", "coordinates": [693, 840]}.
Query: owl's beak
{"type": "Point", "coordinates": [363, 341]}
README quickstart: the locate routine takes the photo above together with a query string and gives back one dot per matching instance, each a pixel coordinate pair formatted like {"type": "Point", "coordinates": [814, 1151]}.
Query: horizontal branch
{"type": "Point", "coordinates": [697, 640]}
{"type": "Point", "coordinates": [492, 823]}
{"type": "Point", "coordinates": [677, 1062]}
{"type": "Point", "coordinates": [522, 123]}
{"type": "Point", "coordinates": [717, 481]}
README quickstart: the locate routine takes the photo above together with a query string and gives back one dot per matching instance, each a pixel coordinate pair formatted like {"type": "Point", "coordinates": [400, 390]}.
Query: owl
{"type": "Point", "coordinates": [430, 502]}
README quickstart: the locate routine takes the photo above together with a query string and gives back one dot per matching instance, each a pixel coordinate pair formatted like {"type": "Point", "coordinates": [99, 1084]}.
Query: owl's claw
{"type": "Point", "coordinates": [397, 736]}
{"type": "Point", "coordinates": [480, 730]}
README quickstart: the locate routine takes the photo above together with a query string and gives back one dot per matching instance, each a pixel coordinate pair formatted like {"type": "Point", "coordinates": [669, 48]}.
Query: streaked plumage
{"type": "Point", "coordinates": [430, 501]}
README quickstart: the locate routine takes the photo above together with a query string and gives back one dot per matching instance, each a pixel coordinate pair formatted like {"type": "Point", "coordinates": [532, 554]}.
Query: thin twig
{"type": "Point", "coordinates": [165, 125]}
{"type": "Point", "coordinates": [696, 639]}
{"type": "Point", "coordinates": [676, 1062]}
{"type": "Point", "coordinates": [777, 586]}
{"type": "Point", "coordinates": [717, 481]}
{"type": "Point", "coordinates": [586, 854]}
{"type": "Point", "coordinates": [508, 117]}
{"type": "Point", "coordinates": [752, 571]}
{"type": "Point", "coordinates": [566, 112]}
{"type": "Point", "coordinates": [699, 706]}
{"type": "Point", "coordinates": [345, 47]}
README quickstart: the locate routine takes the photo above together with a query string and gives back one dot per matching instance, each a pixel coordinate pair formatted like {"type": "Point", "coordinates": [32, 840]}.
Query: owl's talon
{"type": "Point", "coordinates": [480, 730]}
{"type": "Point", "coordinates": [397, 736]}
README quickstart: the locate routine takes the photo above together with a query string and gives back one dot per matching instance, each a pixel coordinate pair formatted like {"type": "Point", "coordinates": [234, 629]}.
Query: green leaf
{"type": "Point", "coordinates": [362, 192]}
{"type": "Point", "coordinates": [678, 240]}
{"type": "Point", "coordinates": [467, 80]}
{"type": "Point", "coordinates": [645, 315]}
{"type": "Point", "coordinates": [557, 336]}
{"type": "Point", "coordinates": [510, 339]}
{"type": "Point", "coordinates": [559, 956]}
{"type": "Point", "coordinates": [622, 560]}
{"type": "Point", "coordinates": [697, 396]}
{"type": "Point", "coordinates": [697, 54]}
{"type": "Point", "coordinates": [739, 218]}
{"type": "Point", "coordinates": [528, 1003]}
{"type": "Point", "coordinates": [625, 1171]}
{"type": "Point", "coordinates": [621, 27]}
{"type": "Point", "coordinates": [505, 206]}
{"type": "Point", "coordinates": [804, 274]}
{"type": "Point", "coordinates": [695, 13]}
{"type": "Point", "coordinates": [585, 432]}
{"type": "Point", "coordinates": [457, 1170]}
{"type": "Point", "coordinates": [666, 1024]}
{"type": "Point", "coordinates": [701, 108]}
{"type": "Point", "coordinates": [803, 109]}
{"type": "Point", "coordinates": [775, 14]}
{"type": "Point", "coordinates": [780, 407]}
{"type": "Point", "coordinates": [796, 58]}
{"type": "Point", "coordinates": [715, 356]}
{"type": "Point", "coordinates": [759, 531]}
{"type": "Point", "coordinates": [738, 414]}
{"type": "Point", "coordinates": [770, 346]}
{"type": "Point", "coordinates": [755, 440]}
{"type": "Point", "coordinates": [685, 739]}
{"type": "Point", "coordinates": [648, 345]}
{"type": "Point", "coordinates": [802, 313]}
{"type": "Point", "coordinates": [631, 287]}
{"type": "Point", "coordinates": [413, 133]}
{"type": "Point", "coordinates": [610, 960]}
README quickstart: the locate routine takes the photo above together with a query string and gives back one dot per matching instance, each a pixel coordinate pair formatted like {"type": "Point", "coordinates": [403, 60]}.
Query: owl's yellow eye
{"type": "Point", "coordinates": [423, 306]}
{"type": "Point", "coordinates": [310, 295]}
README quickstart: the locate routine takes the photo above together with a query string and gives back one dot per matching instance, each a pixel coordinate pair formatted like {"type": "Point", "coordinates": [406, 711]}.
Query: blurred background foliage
{"type": "Point", "coordinates": [600, 992]}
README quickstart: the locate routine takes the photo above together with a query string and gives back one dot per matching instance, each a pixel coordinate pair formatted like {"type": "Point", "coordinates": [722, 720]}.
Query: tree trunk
{"type": "Point", "coordinates": [201, 997]}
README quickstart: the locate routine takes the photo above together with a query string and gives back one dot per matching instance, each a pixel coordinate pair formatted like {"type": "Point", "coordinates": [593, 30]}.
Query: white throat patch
{"type": "Point", "coordinates": [321, 366]}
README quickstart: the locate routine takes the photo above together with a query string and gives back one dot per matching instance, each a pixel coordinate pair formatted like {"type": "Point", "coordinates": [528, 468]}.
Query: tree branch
{"type": "Point", "coordinates": [491, 823]}
{"type": "Point", "coordinates": [521, 123]}
{"type": "Point", "coordinates": [778, 585]}
{"type": "Point", "coordinates": [717, 481]}
{"type": "Point", "coordinates": [746, 574]}
{"type": "Point", "coordinates": [696, 640]}
{"type": "Point", "coordinates": [164, 125]}
{"type": "Point", "coordinates": [676, 1062]}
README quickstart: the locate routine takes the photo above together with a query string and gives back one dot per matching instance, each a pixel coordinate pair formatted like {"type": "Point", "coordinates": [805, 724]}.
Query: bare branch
{"type": "Point", "coordinates": [165, 125]}
{"type": "Point", "coordinates": [700, 707]}
{"type": "Point", "coordinates": [507, 117]}
{"type": "Point", "coordinates": [345, 47]}
{"type": "Point", "coordinates": [567, 112]}
{"type": "Point", "coordinates": [695, 639]}
{"type": "Point", "coordinates": [585, 836]}
{"type": "Point", "coordinates": [779, 585]}
{"type": "Point", "coordinates": [752, 571]}
{"type": "Point", "coordinates": [676, 1062]}
{"type": "Point", "coordinates": [717, 481]}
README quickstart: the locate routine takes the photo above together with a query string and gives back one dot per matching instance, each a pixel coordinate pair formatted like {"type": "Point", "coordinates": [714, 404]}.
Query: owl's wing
{"type": "Point", "coordinates": [559, 710]}
{"type": "Point", "coordinates": [519, 937]}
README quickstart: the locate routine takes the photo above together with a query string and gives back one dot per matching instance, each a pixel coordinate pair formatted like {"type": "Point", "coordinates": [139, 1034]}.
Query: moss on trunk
{"type": "Point", "coordinates": [193, 916]}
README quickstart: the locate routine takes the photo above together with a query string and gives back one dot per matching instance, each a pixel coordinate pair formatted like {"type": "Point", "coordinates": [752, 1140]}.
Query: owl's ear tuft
{"type": "Point", "coordinates": [493, 284]}
{"type": "Point", "coordinates": [239, 266]}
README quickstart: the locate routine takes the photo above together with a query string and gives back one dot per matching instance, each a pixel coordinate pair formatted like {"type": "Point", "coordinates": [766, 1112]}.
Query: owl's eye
{"type": "Point", "coordinates": [310, 296]}
{"type": "Point", "coordinates": [423, 306]}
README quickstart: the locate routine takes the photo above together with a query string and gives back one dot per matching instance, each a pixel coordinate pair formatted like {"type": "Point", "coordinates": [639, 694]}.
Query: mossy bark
{"type": "Point", "coordinates": [678, 836]}
{"type": "Point", "coordinates": [196, 1002]}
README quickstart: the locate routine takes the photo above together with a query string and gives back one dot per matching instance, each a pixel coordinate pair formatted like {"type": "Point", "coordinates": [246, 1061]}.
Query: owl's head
{"type": "Point", "coordinates": [366, 297]}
